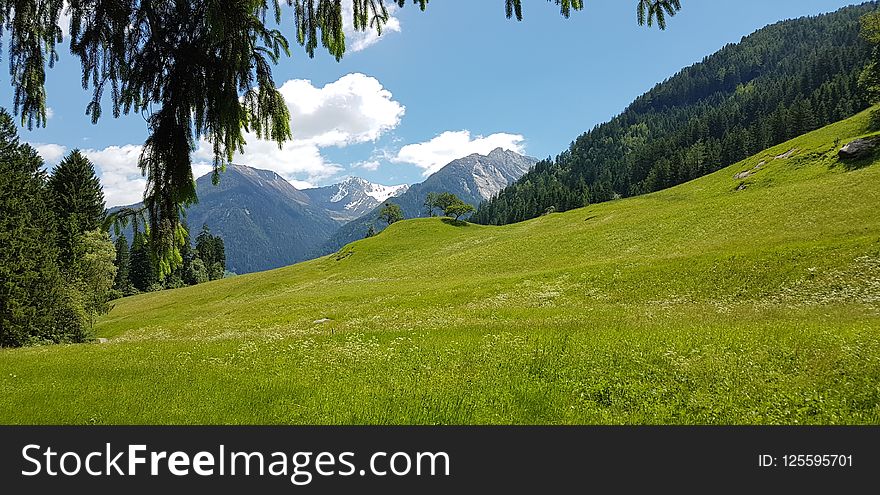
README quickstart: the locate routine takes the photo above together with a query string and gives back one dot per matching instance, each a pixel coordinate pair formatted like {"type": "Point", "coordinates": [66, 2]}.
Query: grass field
{"type": "Point", "coordinates": [753, 300]}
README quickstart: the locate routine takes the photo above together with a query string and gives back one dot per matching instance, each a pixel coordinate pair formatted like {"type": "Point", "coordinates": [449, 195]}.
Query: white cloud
{"type": "Point", "coordinates": [202, 168]}
{"type": "Point", "coordinates": [51, 153]}
{"type": "Point", "coordinates": [50, 112]}
{"type": "Point", "coordinates": [371, 165]}
{"type": "Point", "coordinates": [301, 184]}
{"type": "Point", "coordinates": [357, 41]}
{"type": "Point", "coordinates": [117, 166]}
{"type": "Point", "coordinates": [352, 110]}
{"type": "Point", "coordinates": [433, 155]}
{"type": "Point", "coordinates": [64, 21]}
{"type": "Point", "coordinates": [294, 161]}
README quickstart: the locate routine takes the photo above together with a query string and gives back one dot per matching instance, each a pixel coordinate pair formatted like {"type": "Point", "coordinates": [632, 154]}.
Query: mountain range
{"type": "Point", "coordinates": [268, 223]}
{"type": "Point", "coordinates": [264, 221]}
{"type": "Point", "coordinates": [352, 198]}
{"type": "Point", "coordinates": [474, 179]}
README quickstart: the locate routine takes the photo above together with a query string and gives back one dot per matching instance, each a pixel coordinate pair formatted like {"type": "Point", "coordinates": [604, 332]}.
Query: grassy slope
{"type": "Point", "coordinates": [699, 304]}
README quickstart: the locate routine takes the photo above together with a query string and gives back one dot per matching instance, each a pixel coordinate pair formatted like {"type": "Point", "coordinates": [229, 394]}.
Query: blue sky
{"type": "Point", "coordinates": [457, 79]}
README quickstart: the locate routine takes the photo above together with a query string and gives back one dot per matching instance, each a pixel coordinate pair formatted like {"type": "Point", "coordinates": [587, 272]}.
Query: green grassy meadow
{"type": "Point", "coordinates": [721, 301]}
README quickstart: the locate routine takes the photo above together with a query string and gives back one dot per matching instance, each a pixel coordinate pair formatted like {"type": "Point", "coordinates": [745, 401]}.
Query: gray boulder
{"type": "Point", "coordinates": [859, 148]}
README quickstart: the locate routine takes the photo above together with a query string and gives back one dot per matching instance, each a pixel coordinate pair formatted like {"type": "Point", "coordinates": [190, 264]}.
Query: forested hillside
{"type": "Point", "coordinates": [780, 82]}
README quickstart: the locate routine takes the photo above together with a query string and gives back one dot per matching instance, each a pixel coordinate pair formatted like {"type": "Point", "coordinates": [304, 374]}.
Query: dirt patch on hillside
{"type": "Point", "coordinates": [787, 154]}
{"type": "Point", "coordinates": [752, 171]}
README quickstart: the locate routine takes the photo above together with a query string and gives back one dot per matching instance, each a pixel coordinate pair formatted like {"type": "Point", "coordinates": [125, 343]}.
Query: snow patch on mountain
{"type": "Point", "coordinates": [376, 191]}
{"type": "Point", "coordinates": [381, 193]}
{"type": "Point", "coordinates": [353, 197]}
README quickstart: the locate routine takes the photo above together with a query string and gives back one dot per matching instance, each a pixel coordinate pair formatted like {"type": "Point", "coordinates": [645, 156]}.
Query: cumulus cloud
{"type": "Point", "coordinates": [51, 153]}
{"type": "Point", "coordinates": [64, 20]}
{"type": "Point", "coordinates": [117, 166]}
{"type": "Point", "coordinates": [433, 155]}
{"type": "Point", "coordinates": [352, 110]}
{"type": "Point", "coordinates": [357, 41]}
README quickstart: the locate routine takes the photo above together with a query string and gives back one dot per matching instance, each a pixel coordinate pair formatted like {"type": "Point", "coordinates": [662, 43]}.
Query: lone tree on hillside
{"type": "Point", "coordinates": [440, 201]}
{"type": "Point", "coordinates": [390, 213]}
{"type": "Point", "coordinates": [195, 69]}
{"type": "Point", "coordinates": [456, 208]}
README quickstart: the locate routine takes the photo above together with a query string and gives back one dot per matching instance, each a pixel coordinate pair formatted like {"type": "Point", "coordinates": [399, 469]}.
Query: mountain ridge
{"type": "Point", "coordinates": [473, 178]}
{"type": "Point", "coordinates": [268, 223]}
{"type": "Point", "coordinates": [264, 220]}
{"type": "Point", "coordinates": [353, 197]}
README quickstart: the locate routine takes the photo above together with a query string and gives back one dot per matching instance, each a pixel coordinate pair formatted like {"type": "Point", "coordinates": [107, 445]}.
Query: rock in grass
{"type": "Point", "coordinates": [859, 148]}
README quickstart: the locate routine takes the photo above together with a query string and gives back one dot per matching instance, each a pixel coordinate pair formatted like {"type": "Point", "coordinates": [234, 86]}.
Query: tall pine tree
{"type": "Point", "coordinates": [36, 305]}
{"type": "Point", "coordinates": [142, 272]}
{"type": "Point", "coordinates": [77, 201]}
{"type": "Point", "coordinates": [122, 283]}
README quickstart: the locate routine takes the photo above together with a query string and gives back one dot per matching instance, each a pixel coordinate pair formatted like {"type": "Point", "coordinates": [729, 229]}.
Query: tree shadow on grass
{"type": "Point", "coordinates": [455, 223]}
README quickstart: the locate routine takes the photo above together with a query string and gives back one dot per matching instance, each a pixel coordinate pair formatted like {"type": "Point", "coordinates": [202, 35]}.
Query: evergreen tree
{"type": "Point", "coordinates": [180, 275]}
{"type": "Point", "coordinates": [212, 251]}
{"type": "Point", "coordinates": [197, 273]}
{"type": "Point", "coordinates": [77, 201]}
{"type": "Point", "coordinates": [142, 272]}
{"type": "Point", "coordinates": [188, 255]}
{"type": "Point", "coordinates": [122, 282]}
{"type": "Point", "coordinates": [869, 79]}
{"type": "Point", "coordinates": [36, 304]}
{"type": "Point", "coordinates": [219, 266]}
